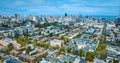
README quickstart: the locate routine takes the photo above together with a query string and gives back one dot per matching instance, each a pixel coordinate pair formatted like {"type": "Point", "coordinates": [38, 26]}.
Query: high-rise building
{"type": "Point", "coordinates": [35, 18]}
{"type": "Point", "coordinates": [17, 16]}
{"type": "Point", "coordinates": [117, 22]}
{"type": "Point", "coordinates": [65, 14]}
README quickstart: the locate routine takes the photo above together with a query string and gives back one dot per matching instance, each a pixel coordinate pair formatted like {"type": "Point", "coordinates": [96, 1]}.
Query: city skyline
{"type": "Point", "coordinates": [52, 31]}
{"type": "Point", "coordinates": [56, 7]}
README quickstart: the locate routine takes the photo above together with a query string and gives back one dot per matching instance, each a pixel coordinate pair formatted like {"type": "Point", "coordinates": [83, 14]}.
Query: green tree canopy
{"type": "Point", "coordinates": [90, 56]}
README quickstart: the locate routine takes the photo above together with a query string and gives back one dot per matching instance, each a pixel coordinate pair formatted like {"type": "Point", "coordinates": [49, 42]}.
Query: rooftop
{"type": "Point", "coordinates": [12, 60]}
{"type": "Point", "coordinates": [8, 40]}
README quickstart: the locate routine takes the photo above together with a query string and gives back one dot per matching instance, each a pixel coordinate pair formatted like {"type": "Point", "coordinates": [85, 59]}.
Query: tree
{"type": "Point", "coordinates": [10, 46]}
{"type": "Point", "coordinates": [69, 49]}
{"type": "Point", "coordinates": [7, 50]}
{"type": "Point", "coordinates": [62, 37]}
{"type": "Point", "coordinates": [95, 35]}
{"type": "Point", "coordinates": [35, 42]}
{"type": "Point", "coordinates": [38, 60]}
{"type": "Point", "coordinates": [65, 61]}
{"type": "Point", "coordinates": [57, 34]}
{"type": "Point", "coordinates": [66, 40]}
{"type": "Point", "coordinates": [81, 52]}
{"type": "Point", "coordinates": [46, 45]}
{"type": "Point", "coordinates": [115, 61]}
{"type": "Point", "coordinates": [101, 50]}
{"type": "Point", "coordinates": [110, 61]}
{"type": "Point", "coordinates": [104, 54]}
{"type": "Point", "coordinates": [1, 51]}
{"type": "Point", "coordinates": [62, 49]}
{"type": "Point", "coordinates": [39, 32]}
{"type": "Point", "coordinates": [23, 40]}
{"type": "Point", "coordinates": [89, 56]}
{"type": "Point", "coordinates": [51, 34]}
{"type": "Point", "coordinates": [50, 47]}
{"type": "Point", "coordinates": [28, 49]}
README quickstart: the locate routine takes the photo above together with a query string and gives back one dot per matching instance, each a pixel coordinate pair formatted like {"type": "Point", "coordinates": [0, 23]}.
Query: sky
{"type": "Point", "coordinates": [60, 7]}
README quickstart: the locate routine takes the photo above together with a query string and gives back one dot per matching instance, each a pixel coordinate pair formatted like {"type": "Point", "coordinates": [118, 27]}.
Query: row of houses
{"type": "Point", "coordinates": [113, 52]}
{"type": "Point", "coordinates": [51, 29]}
{"type": "Point", "coordinates": [60, 58]}
{"type": "Point", "coordinates": [6, 41]}
{"type": "Point", "coordinates": [8, 58]}
{"type": "Point", "coordinates": [29, 58]}
{"type": "Point", "coordinates": [86, 45]}
{"type": "Point", "coordinates": [21, 31]}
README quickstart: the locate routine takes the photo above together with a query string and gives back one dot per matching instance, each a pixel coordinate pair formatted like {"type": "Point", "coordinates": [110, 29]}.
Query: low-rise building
{"type": "Point", "coordinates": [14, 52]}
{"type": "Point", "coordinates": [12, 60]}
{"type": "Point", "coordinates": [4, 56]}
{"type": "Point", "coordinates": [56, 42]}
{"type": "Point", "coordinates": [6, 41]}
{"type": "Point", "coordinates": [32, 58]}
{"type": "Point", "coordinates": [44, 61]}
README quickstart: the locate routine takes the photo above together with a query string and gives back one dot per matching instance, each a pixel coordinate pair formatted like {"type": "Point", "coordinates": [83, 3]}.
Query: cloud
{"type": "Point", "coordinates": [19, 3]}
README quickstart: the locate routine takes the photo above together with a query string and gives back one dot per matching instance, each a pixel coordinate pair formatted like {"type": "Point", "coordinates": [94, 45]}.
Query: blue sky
{"type": "Point", "coordinates": [59, 7]}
